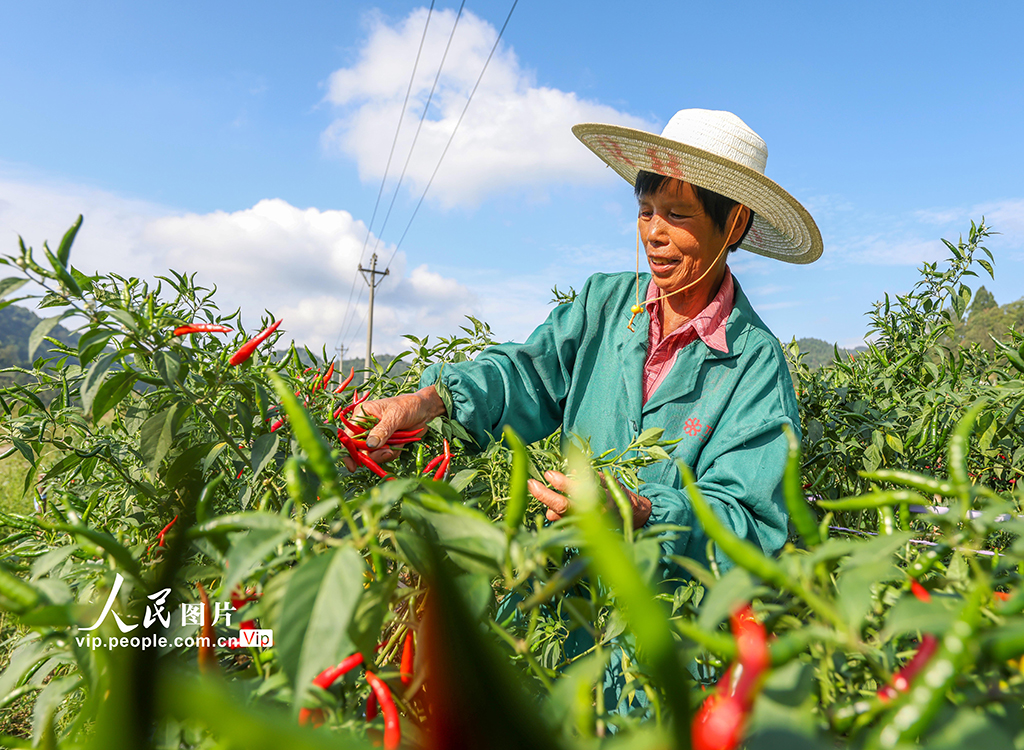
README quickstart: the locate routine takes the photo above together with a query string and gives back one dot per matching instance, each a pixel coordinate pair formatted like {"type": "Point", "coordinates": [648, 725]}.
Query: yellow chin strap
{"type": "Point", "coordinates": [637, 308]}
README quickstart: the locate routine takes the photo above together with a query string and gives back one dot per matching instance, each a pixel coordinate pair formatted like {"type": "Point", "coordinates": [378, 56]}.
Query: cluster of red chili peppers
{"type": "Point", "coordinates": [161, 534]}
{"type": "Point", "coordinates": [380, 693]}
{"type": "Point", "coordinates": [719, 722]}
{"type": "Point", "coordinates": [360, 427]}
{"type": "Point", "coordinates": [441, 461]}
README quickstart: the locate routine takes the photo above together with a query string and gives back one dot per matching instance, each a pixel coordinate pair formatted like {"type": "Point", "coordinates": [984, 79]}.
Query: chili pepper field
{"type": "Point", "coordinates": [167, 459]}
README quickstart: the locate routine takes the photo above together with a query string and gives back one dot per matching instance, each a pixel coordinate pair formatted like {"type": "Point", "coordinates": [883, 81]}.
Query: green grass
{"type": "Point", "coordinates": [16, 718]}
{"type": "Point", "coordinates": [12, 481]}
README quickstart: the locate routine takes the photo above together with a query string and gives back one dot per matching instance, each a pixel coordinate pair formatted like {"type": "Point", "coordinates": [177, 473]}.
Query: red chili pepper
{"type": "Point", "coordinates": [403, 434]}
{"type": "Point", "coordinates": [355, 402]}
{"type": "Point", "coordinates": [345, 384]}
{"type": "Point", "coordinates": [371, 706]}
{"type": "Point", "coordinates": [902, 679]}
{"type": "Point", "coordinates": [277, 425]}
{"type": "Point", "coordinates": [718, 724]}
{"type": "Point", "coordinates": [327, 377]}
{"type": "Point", "coordinates": [360, 457]}
{"type": "Point", "coordinates": [200, 328]}
{"type": "Point", "coordinates": [245, 350]}
{"type": "Point", "coordinates": [720, 720]}
{"type": "Point", "coordinates": [408, 656]}
{"type": "Point", "coordinates": [163, 532]}
{"type": "Point", "coordinates": [324, 680]}
{"type": "Point", "coordinates": [207, 657]}
{"type": "Point", "coordinates": [392, 729]}
{"type": "Point", "coordinates": [920, 591]}
{"type": "Point", "coordinates": [439, 474]}
{"type": "Point", "coordinates": [433, 462]}
{"type": "Point", "coordinates": [1002, 596]}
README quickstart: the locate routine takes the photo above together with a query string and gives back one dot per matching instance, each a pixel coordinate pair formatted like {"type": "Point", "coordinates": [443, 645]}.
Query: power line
{"type": "Point", "coordinates": [452, 137]}
{"type": "Point", "coordinates": [419, 127]}
{"type": "Point", "coordinates": [394, 142]}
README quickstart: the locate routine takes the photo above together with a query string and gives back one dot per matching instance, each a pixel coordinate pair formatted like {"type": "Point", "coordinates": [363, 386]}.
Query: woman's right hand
{"type": "Point", "coordinates": [410, 411]}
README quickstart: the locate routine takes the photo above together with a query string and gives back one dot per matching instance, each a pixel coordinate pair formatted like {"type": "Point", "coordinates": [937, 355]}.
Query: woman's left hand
{"type": "Point", "coordinates": [558, 504]}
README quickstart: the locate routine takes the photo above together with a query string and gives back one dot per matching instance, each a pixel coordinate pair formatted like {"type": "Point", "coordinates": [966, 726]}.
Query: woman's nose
{"type": "Point", "coordinates": [656, 231]}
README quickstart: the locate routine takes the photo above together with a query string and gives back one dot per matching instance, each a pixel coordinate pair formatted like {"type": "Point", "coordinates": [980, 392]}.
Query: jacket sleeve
{"type": "Point", "coordinates": [522, 385]}
{"type": "Point", "coordinates": [740, 470]}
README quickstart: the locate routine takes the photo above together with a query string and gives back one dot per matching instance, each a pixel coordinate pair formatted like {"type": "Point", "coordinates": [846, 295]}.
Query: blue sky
{"type": "Point", "coordinates": [246, 141]}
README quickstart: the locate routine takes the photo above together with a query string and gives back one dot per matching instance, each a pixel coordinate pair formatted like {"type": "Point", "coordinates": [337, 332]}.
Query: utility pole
{"type": "Point", "coordinates": [372, 281]}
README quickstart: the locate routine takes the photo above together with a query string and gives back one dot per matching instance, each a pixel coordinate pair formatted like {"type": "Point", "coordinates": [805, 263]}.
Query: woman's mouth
{"type": "Point", "coordinates": [661, 265]}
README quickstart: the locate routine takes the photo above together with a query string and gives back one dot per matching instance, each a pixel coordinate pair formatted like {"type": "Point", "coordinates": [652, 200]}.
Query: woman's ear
{"type": "Point", "coordinates": [737, 224]}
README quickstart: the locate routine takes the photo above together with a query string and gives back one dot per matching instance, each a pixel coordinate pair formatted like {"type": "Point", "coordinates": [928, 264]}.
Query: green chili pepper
{"type": "Point", "coordinates": [62, 273]}
{"type": "Point", "coordinates": [930, 556]}
{"type": "Point", "coordinates": [16, 595]}
{"type": "Point", "coordinates": [920, 482]}
{"type": "Point", "coordinates": [800, 513]}
{"type": "Point", "coordinates": [885, 499]}
{"type": "Point", "coordinates": [956, 454]}
{"type": "Point", "coordinates": [1011, 354]}
{"type": "Point", "coordinates": [515, 509]}
{"type": "Point", "coordinates": [749, 557]}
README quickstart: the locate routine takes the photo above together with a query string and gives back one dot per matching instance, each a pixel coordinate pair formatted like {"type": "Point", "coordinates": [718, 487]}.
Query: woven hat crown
{"type": "Point", "coordinates": [721, 133]}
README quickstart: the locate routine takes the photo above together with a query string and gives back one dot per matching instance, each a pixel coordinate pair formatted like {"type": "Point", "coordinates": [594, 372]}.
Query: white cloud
{"type": "Point", "coordinates": [515, 134]}
{"type": "Point", "coordinates": [298, 263]}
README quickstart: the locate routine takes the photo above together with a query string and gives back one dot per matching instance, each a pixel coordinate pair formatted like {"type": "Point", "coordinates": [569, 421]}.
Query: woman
{"type": "Point", "coordinates": [679, 348]}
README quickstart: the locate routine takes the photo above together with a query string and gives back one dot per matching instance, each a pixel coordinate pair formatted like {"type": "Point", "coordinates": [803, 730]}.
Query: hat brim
{"type": "Point", "coordinates": [782, 228]}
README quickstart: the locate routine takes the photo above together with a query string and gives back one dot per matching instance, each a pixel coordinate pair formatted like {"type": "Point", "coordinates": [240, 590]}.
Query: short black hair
{"type": "Point", "coordinates": [715, 205]}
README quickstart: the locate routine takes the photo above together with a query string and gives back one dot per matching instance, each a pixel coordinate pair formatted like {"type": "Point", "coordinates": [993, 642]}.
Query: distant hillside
{"type": "Point", "coordinates": [16, 325]}
{"type": "Point", "coordinates": [819, 353]}
{"type": "Point", "coordinates": [986, 317]}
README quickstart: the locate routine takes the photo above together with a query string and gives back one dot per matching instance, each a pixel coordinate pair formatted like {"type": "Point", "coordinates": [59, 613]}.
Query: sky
{"type": "Point", "coordinates": [247, 142]}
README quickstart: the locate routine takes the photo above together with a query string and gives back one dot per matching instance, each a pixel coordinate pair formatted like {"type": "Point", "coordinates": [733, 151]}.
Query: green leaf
{"type": "Point", "coordinates": [11, 284]}
{"type": "Point", "coordinates": [247, 551]}
{"type": "Point", "coordinates": [318, 608]}
{"type": "Point", "coordinates": [91, 343]}
{"type": "Point", "coordinates": [650, 436]}
{"type": "Point", "coordinates": [41, 331]}
{"type": "Point", "coordinates": [94, 379]}
{"type": "Point", "coordinates": [46, 705]}
{"type": "Point", "coordinates": [734, 588]}
{"type": "Point", "coordinates": [157, 436]}
{"type": "Point", "coordinates": [911, 615]}
{"type": "Point", "coordinates": [64, 251]}
{"type": "Point", "coordinates": [244, 521]}
{"type": "Point", "coordinates": [894, 442]}
{"type": "Point", "coordinates": [167, 365]}
{"type": "Point", "coordinates": [112, 392]}
{"type": "Point", "coordinates": [469, 537]}
{"type": "Point", "coordinates": [25, 449]}
{"type": "Point", "coordinates": [263, 452]}
{"type": "Point", "coordinates": [309, 436]}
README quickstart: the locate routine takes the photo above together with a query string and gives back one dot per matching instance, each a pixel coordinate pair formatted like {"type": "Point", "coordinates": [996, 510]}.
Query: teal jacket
{"type": "Point", "coordinates": [582, 370]}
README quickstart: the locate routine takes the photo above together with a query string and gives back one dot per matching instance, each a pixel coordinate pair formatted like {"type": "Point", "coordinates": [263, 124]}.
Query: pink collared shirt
{"type": "Point", "coordinates": [708, 325]}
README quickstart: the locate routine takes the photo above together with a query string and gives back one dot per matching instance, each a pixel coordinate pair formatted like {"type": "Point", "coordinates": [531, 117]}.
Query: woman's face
{"type": "Point", "coordinates": [680, 240]}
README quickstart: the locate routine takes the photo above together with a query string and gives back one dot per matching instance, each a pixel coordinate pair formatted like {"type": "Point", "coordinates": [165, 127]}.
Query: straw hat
{"type": "Point", "coordinates": [717, 151]}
